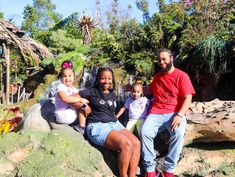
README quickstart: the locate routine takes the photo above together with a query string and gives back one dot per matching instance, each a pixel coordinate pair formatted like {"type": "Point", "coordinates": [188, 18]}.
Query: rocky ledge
{"type": "Point", "coordinates": [44, 148]}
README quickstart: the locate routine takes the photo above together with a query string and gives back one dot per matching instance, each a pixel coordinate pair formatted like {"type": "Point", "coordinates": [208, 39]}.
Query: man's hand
{"type": "Point", "coordinates": [176, 122]}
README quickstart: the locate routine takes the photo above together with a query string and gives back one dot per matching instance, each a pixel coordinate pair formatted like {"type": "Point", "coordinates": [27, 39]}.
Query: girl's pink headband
{"type": "Point", "coordinates": [67, 65]}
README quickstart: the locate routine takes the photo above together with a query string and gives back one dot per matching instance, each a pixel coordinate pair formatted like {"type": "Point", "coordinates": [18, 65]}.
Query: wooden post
{"type": "Point", "coordinates": [8, 75]}
{"type": "Point", "coordinates": [7, 59]}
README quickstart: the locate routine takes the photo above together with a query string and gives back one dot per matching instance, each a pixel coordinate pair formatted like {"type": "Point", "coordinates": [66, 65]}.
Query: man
{"type": "Point", "coordinates": [172, 91]}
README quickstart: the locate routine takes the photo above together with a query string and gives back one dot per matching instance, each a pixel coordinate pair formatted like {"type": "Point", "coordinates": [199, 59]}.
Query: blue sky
{"type": "Point", "coordinates": [14, 8]}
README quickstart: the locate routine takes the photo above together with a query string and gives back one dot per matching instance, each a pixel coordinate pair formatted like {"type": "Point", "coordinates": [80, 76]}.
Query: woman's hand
{"type": "Point", "coordinates": [87, 110]}
{"type": "Point", "coordinates": [84, 101]}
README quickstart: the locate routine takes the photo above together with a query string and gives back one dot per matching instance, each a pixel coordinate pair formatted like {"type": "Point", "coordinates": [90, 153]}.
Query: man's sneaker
{"type": "Point", "coordinates": [151, 174]}
{"type": "Point", "coordinates": [79, 129]}
{"type": "Point", "coordinates": [167, 174]}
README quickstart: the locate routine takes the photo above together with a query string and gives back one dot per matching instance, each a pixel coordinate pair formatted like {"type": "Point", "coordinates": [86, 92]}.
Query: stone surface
{"type": "Point", "coordinates": [41, 118]}
{"type": "Point", "coordinates": [212, 121]}
{"type": "Point", "coordinates": [34, 120]}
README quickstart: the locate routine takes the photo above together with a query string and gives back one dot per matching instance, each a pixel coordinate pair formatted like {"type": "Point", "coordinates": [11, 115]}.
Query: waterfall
{"type": "Point", "coordinates": [124, 91]}
{"type": "Point", "coordinates": [88, 78]}
{"type": "Point", "coordinates": [51, 90]}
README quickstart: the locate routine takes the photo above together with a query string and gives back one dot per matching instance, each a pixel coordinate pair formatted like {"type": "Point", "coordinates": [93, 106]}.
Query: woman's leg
{"type": "Point", "coordinates": [81, 118]}
{"type": "Point", "coordinates": [135, 157]}
{"type": "Point", "coordinates": [117, 141]}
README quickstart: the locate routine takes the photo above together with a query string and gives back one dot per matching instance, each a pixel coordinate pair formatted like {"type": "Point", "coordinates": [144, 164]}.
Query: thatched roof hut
{"type": "Point", "coordinates": [31, 51]}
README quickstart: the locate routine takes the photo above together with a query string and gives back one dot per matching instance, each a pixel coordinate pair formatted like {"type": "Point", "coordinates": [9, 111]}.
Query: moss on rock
{"type": "Point", "coordinates": [51, 154]}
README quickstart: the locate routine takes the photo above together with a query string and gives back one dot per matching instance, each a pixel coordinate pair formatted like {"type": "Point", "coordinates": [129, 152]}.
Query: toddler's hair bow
{"type": "Point", "coordinates": [67, 65]}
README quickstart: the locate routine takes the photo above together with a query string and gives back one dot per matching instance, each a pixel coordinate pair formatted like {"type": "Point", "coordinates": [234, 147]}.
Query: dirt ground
{"type": "Point", "coordinates": [207, 160]}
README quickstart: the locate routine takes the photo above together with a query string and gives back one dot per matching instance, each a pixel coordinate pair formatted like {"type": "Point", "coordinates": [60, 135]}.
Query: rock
{"type": "Point", "coordinates": [207, 122]}
{"type": "Point", "coordinates": [54, 153]}
{"type": "Point", "coordinates": [41, 117]}
{"type": "Point", "coordinates": [33, 120]}
{"type": "Point", "coordinates": [212, 121]}
{"type": "Point", "coordinates": [6, 168]}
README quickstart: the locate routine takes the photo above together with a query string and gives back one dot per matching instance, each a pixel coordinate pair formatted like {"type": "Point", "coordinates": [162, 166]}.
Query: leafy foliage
{"type": "Point", "coordinates": [75, 56]}
{"type": "Point", "coordinates": [210, 56]}
{"type": "Point", "coordinates": [143, 6]}
{"type": "Point", "coordinates": [30, 18]}
{"type": "Point", "coordinates": [206, 18]}
{"type": "Point", "coordinates": [140, 64]}
{"type": "Point", "coordinates": [60, 42]}
{"type": "Point", "coordinates": [39, 17]}
{"type": "Point", "coordinates": [1, 14]}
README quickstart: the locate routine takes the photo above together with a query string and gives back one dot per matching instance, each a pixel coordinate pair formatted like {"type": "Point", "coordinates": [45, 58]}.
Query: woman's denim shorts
{"type": "Point", "coordinates": [98, 132]}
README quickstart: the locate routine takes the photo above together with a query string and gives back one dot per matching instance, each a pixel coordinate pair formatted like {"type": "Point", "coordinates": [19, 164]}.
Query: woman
{"type": "Point", "coordinates": [104, 129]}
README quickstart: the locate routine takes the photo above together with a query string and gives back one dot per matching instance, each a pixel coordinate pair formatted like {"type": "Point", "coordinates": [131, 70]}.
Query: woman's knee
{"type": "Point", "coordinates": [136, 143]}
{"type": "Point", "coordinates": [136, 146]}
{"type": "Point", "coordinates": [125, 144]}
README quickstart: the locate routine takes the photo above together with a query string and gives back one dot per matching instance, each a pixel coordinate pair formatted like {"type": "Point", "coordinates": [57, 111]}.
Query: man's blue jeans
{"type": "Point", "coordinates": [154, 124]}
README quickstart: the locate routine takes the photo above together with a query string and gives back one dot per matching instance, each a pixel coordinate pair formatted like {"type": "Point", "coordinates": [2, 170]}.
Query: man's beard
{"type": "Point", "coordinates": [167, 68]}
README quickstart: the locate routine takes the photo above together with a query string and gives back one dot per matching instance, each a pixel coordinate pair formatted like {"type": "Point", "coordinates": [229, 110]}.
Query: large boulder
{"type": "Point", "coordinates": [207, 122]}
{"type": "Point", "coordinates": [57, 153]}
{"type": "Point", "coordinates": [91, 160]}
{"type": "Point", "coordinates": [34, 119]}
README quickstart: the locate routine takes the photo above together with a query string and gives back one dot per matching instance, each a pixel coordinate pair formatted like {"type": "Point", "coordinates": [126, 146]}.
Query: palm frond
{"type": "Point", "coordinates": [210, 56]}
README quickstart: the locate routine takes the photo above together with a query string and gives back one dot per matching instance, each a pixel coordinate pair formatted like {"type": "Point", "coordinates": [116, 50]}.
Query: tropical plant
{"type": "Point", "coordinates": [67, 24]}
{"type": "Point", "coordinates": [140, 64]}
{"type": "Point", "coordinates": [86, 24]}
{"type": "Point", "coordinates": [209, 59]}
{"type": "Point", "coordinates": [210, 56]}
{"type": "Point", "coordinates": [205, 18]}
{"type": "Point", "coordinates": [75, 56]}
{"type": "Point", "coordinates": [132, 36]}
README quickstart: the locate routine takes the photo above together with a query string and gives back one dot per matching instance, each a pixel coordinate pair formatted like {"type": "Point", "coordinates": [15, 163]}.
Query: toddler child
{"type": "Point", "coordinates": [68, 101]}
{"type": "Point", "coordinates": [137, 106]}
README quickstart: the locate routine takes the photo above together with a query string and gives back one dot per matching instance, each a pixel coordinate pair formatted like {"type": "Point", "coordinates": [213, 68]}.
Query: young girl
{"type": "Point", "coordinates": [67, 99]}
{"type": "Point", "coordinates": [103, 128]}
{"type": "Point", "coordinates": [137, 106]}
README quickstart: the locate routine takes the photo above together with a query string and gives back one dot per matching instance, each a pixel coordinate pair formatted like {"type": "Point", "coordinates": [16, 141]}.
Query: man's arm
{"type": "Point", "coordinates": [186, 104]}
{"type": "Point", "coordinates": [184, 108]}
